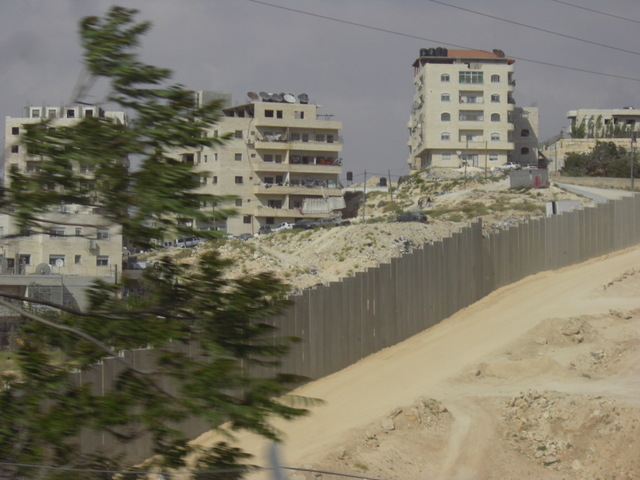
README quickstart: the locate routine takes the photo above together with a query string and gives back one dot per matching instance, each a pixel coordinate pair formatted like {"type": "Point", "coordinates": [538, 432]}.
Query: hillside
{"type": "Point", "coordinates": [312, 257]}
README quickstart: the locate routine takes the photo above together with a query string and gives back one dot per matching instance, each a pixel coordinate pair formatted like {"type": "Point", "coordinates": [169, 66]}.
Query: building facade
{"type": "Point", "coordinates": [604, 122]}
{"type": "Point", "coordinates": [464, 111]}
{"type": "Point", "coordinates": [76, 243]}
{"type": "Point", "coordinates": [281, 164]}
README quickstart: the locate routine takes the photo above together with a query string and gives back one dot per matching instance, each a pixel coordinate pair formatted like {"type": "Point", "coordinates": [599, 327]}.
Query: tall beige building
{"type": "Point", "coordinates": [77, 244]}
{"type": "Point", "coordinates": [464, 112]}
{"type": "Point", "coordinates": [282, 162]}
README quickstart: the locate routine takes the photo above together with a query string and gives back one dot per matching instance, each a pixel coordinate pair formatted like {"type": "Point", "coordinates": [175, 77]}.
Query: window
{"type": "Point", "coordinates": [495, 78]}
{"type": "Point", "coordinates": [446, 157]}
{"type": "Point", "coordinates": [56, 259]}
{"type": "Point", "coordinates": [320, 137]}
{"type": "Point", "coordinates": [274, 203]}
{"type": "Point", "coordinates": [206, 158]}
{"type": "Point", "coordinates": [88, 113]}
{"type": "Point", "coordinates": [279, 113]}
{"type": "Point", "coordinates": [329, 138]}
{"type": "Point", "coordinates": [295, 137]}
{"type": "Point", "coordinates": [471, 77]}
{"type": "Point", "coordinates": [445, 136]}
{"type": "Point", "coordinates": [524, 132]}
{"type": "Point", "coordinates": [268, 113]}
{"type": "Point", "coordinates": [270, 221]}
{"type": "Point", "coordinates": [238, 202]}
{"type": "Point", "coordinates": [305, 137]}
{"type": "Point", "coordinates": [524, 150]}
{"type": "Point", "coordinates": [102, 234]}
{"type": "Point", "coordinates": [215, 179]}
{"type": "Point", "coordinates": [445, 78]}
{"type": "Point", "coordinates": [471, 115]}
{"type": "Point", "coordinates": [77, 259]}
{"type": "Point", "coordinates": [268, 157]}
{"type": "Point", "coordinates": [495, 137]}
{"type": "Point", "coordinates": [493, 157]}
{"type": "Point", "coordinates": [238, 134]}
{"type": "Point", "coordinates": [204, 180]}
{"type": "Point", "coordinates": [238, 179]}
{"type": "Point", "coordinates": [71, 113]}
{"type": "Point", "coordinates": [25, 232]}
{"type": "Point", "coordinates": [52, 113]}
{"type": "Point", "coordinates": [35, 113]}
{"type": "Point", "coordinates": [15, 130]}
{"type": "Point", "coordinates": [78, 232]}
{"type": "Point", "coordinates": [445, 117]}
{"type": "Point", "coordinates": [495, 117]}
{"type": "Point", "coordinates": [15, 148]}
{"type": "Point", "coordinates": [24, 259]}
{"type": "Point", "coordinates": [56, 232]}
{"type": "Point", "coordinates": [246, 219]}
{"type": "Point", "coordinates": [238, 157]}
{"type": "Point", "coordinates": [188, 157]}
{"type": "Point", "coordinates": [495, 98]}
{"type": "Point", "coordinates": [445, 97]}
{"type": "Point", "coordinates": [102, 261]}
{"type": "Point", "coordinates": [299, 115]}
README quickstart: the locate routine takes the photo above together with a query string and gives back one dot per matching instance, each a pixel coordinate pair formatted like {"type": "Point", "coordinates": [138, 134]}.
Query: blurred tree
{"type": "Point", "coordinates": [215, 357]}
{"type": "Point", "coordinates": [605, 160]}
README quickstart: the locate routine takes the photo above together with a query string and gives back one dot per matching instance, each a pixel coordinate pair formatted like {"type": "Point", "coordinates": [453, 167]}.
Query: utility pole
{"type": "Point", "coordinates": [632, 154]}
{"type": "Point", "coordinates": [364, 197]}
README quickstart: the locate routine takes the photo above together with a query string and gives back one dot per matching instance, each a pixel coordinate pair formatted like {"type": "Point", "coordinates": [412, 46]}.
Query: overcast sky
{"type": "Point", "coordinates": [361, 75]}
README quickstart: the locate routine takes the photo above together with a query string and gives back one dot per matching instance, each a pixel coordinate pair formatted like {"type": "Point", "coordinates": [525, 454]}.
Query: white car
{"type": "Point", "coordinates": [510, 166]}
{"type": "Point", "coordinates": [283, 226]}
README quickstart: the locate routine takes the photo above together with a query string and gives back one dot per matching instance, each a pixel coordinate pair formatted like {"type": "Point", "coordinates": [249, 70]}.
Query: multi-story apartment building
{"type": "Point", "coordinates": [463, 110]}
{"type": "Point", "coordinates": [604, 122]}
{"type": "Point", "coordinates": [77, 244]}
{"type": "Point", "coordinates": [282, 162]}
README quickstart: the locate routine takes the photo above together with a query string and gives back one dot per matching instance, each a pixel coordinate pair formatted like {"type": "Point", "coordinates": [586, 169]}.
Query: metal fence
{"type": "Point", "coordinates": [343, 322]}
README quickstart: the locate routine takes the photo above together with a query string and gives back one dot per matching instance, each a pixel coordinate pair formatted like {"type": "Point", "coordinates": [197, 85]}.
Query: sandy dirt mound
{"type": "Point", "coordinates": [512, 387]}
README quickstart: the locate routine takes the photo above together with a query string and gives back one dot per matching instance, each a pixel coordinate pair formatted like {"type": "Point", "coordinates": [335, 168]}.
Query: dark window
{"type": "Point", "coordinates": [103, 234]}
{"type": "Point", "coordinates": [78, 259]}
{"type": "Point", "coordinates": [268, 113]}
{"type": "Point", "coordinates": [524, 132]}
{"type": "Point", "coordinates": [279, 113]}
{"type": "Point", "coordinates": [238, 134]}
{"type": "Point", "coordinates": [238, 179]}
{"type": "Point", "coordinates": [246, 219]}
{"type": "Point", "coordinates": [102, 261]}
{"type": "Point", "coordinates": [238, 157]}
{"type": "Point", "coordinates": [15, 130]}
{"type": "Point", "coordinates": [238, 202]}
{"type": "Point", "coordinates": [270, 221]}
{"type": "Point", "coordinates": [215, 179]}
{"type": "Point", "coordinates": [15, 148]}
{"type": "Point", "coordinates": [524, 150]}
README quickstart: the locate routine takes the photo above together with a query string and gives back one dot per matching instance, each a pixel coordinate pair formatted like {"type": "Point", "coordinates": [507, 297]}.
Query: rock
{"type": "Point", "coordinates": [541, 341]}
{"type": "Point", "coordinates": [387, 424]}
{"type": "Point", "coordinates": [550, 460]}
{"type": "Point", "coordinates": [576, 466]}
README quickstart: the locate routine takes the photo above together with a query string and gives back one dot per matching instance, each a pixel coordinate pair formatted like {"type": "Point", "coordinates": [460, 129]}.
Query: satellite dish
{"type": "Point", "coordinates": [303, 97]}
{"type": "Point", "coordinates": [43, 269]}
{"type": "Point", "coordinates": [498, 53]}
{"type": "Point", "coordinates": [253, 96]}
{"type": "Point", "coordinates": [265, 96]}
{"type": "Point", "coordinates": [287, 97]}
{"type": "Point", "coordinates": [59, 262]}
{"type": "Point", "coordinates": [276, 97]}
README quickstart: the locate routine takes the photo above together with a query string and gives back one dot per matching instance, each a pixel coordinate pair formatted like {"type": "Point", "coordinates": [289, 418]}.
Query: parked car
{"type": "Point", "coordinates": [188, 242]}
{"type": "Point", "coordinates": [509, 166]}
{"type": "Point", "coordinates": [244, 236]}
{"type": "Point", "coordinates": [331, 221]}
{"type": "Point", "coordinates": [412, 217]}
{"type": "Point", "coordinates": [305, 224]}
{"type": "Point", "coordinates": [264, 230]}
{"type": "Point", "coordinates": [283, 226]}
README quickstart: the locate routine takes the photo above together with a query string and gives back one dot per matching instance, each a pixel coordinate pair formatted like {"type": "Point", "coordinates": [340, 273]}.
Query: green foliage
{"type": "Point", "coordinates": [605, 160]}
{"type": "Point", "coordinates": [215, 357]}
{"type": "Point", "coordinates": [87, 162]}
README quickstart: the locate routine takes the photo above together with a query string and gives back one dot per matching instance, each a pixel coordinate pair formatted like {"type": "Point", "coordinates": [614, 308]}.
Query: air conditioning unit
{"type": "Point", "coordinates": [249, 141]}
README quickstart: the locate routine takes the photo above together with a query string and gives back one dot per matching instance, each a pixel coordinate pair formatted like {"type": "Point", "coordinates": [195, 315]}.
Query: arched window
{"type": "Point", "coordinates": [495, 117]}
{"type": "Point", "coordinates": [445, 97]}
{"type": "Point", "coordinates": [495, 78]}
{"type": "Point", "coordinates": [445, 117]}
{"type": "Point", "coordinates": [495, 98]}
{"type": "Point", "coordinates": [445, 77]}
{"type": "Point", "coordinates": [524, 132]}
{"type": "Point", "coordinates": [445, 136]}
{"type": "Point", "coordinates": [524, 150]}
{"type": "Point", "coordinates": [495, 137]}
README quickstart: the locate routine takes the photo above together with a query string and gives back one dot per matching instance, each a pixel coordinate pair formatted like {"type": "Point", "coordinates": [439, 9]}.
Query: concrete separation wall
{"type": "Point", "coordinates": [343, 322]}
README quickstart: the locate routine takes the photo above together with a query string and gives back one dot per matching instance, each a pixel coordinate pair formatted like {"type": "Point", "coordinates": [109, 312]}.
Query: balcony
{"type": "Point", "coordinates": [300, 189]}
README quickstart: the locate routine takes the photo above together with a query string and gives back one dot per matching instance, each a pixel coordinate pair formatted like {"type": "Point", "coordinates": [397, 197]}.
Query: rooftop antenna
{"type": "Point", "coordinates": [303, 97]}
{"type": "Point", "coordinates": [253, 96]}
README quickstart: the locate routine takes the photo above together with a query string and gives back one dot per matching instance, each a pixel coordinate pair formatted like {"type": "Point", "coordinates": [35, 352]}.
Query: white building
{"type": "Point", "coordinates": [282, 162]}
{"type": "Point", "coordinates": [605, 122]}
{"type": "Point", "coordinates": [464, 112]}
{"type": "Point", "coordinates": [76, 244]}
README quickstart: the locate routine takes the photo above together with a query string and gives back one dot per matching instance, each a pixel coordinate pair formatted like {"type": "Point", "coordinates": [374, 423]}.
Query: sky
{"type": "Point", "coordinates": [352, 57]}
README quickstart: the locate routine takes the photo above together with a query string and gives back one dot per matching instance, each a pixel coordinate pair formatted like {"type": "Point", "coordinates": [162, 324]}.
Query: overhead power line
{"type": "Point", "coordinates": [544, 30]}
{"type": "Point", "coordinates": [596, 11]}
{"type": "Point", "coordinates": [402, 34]}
